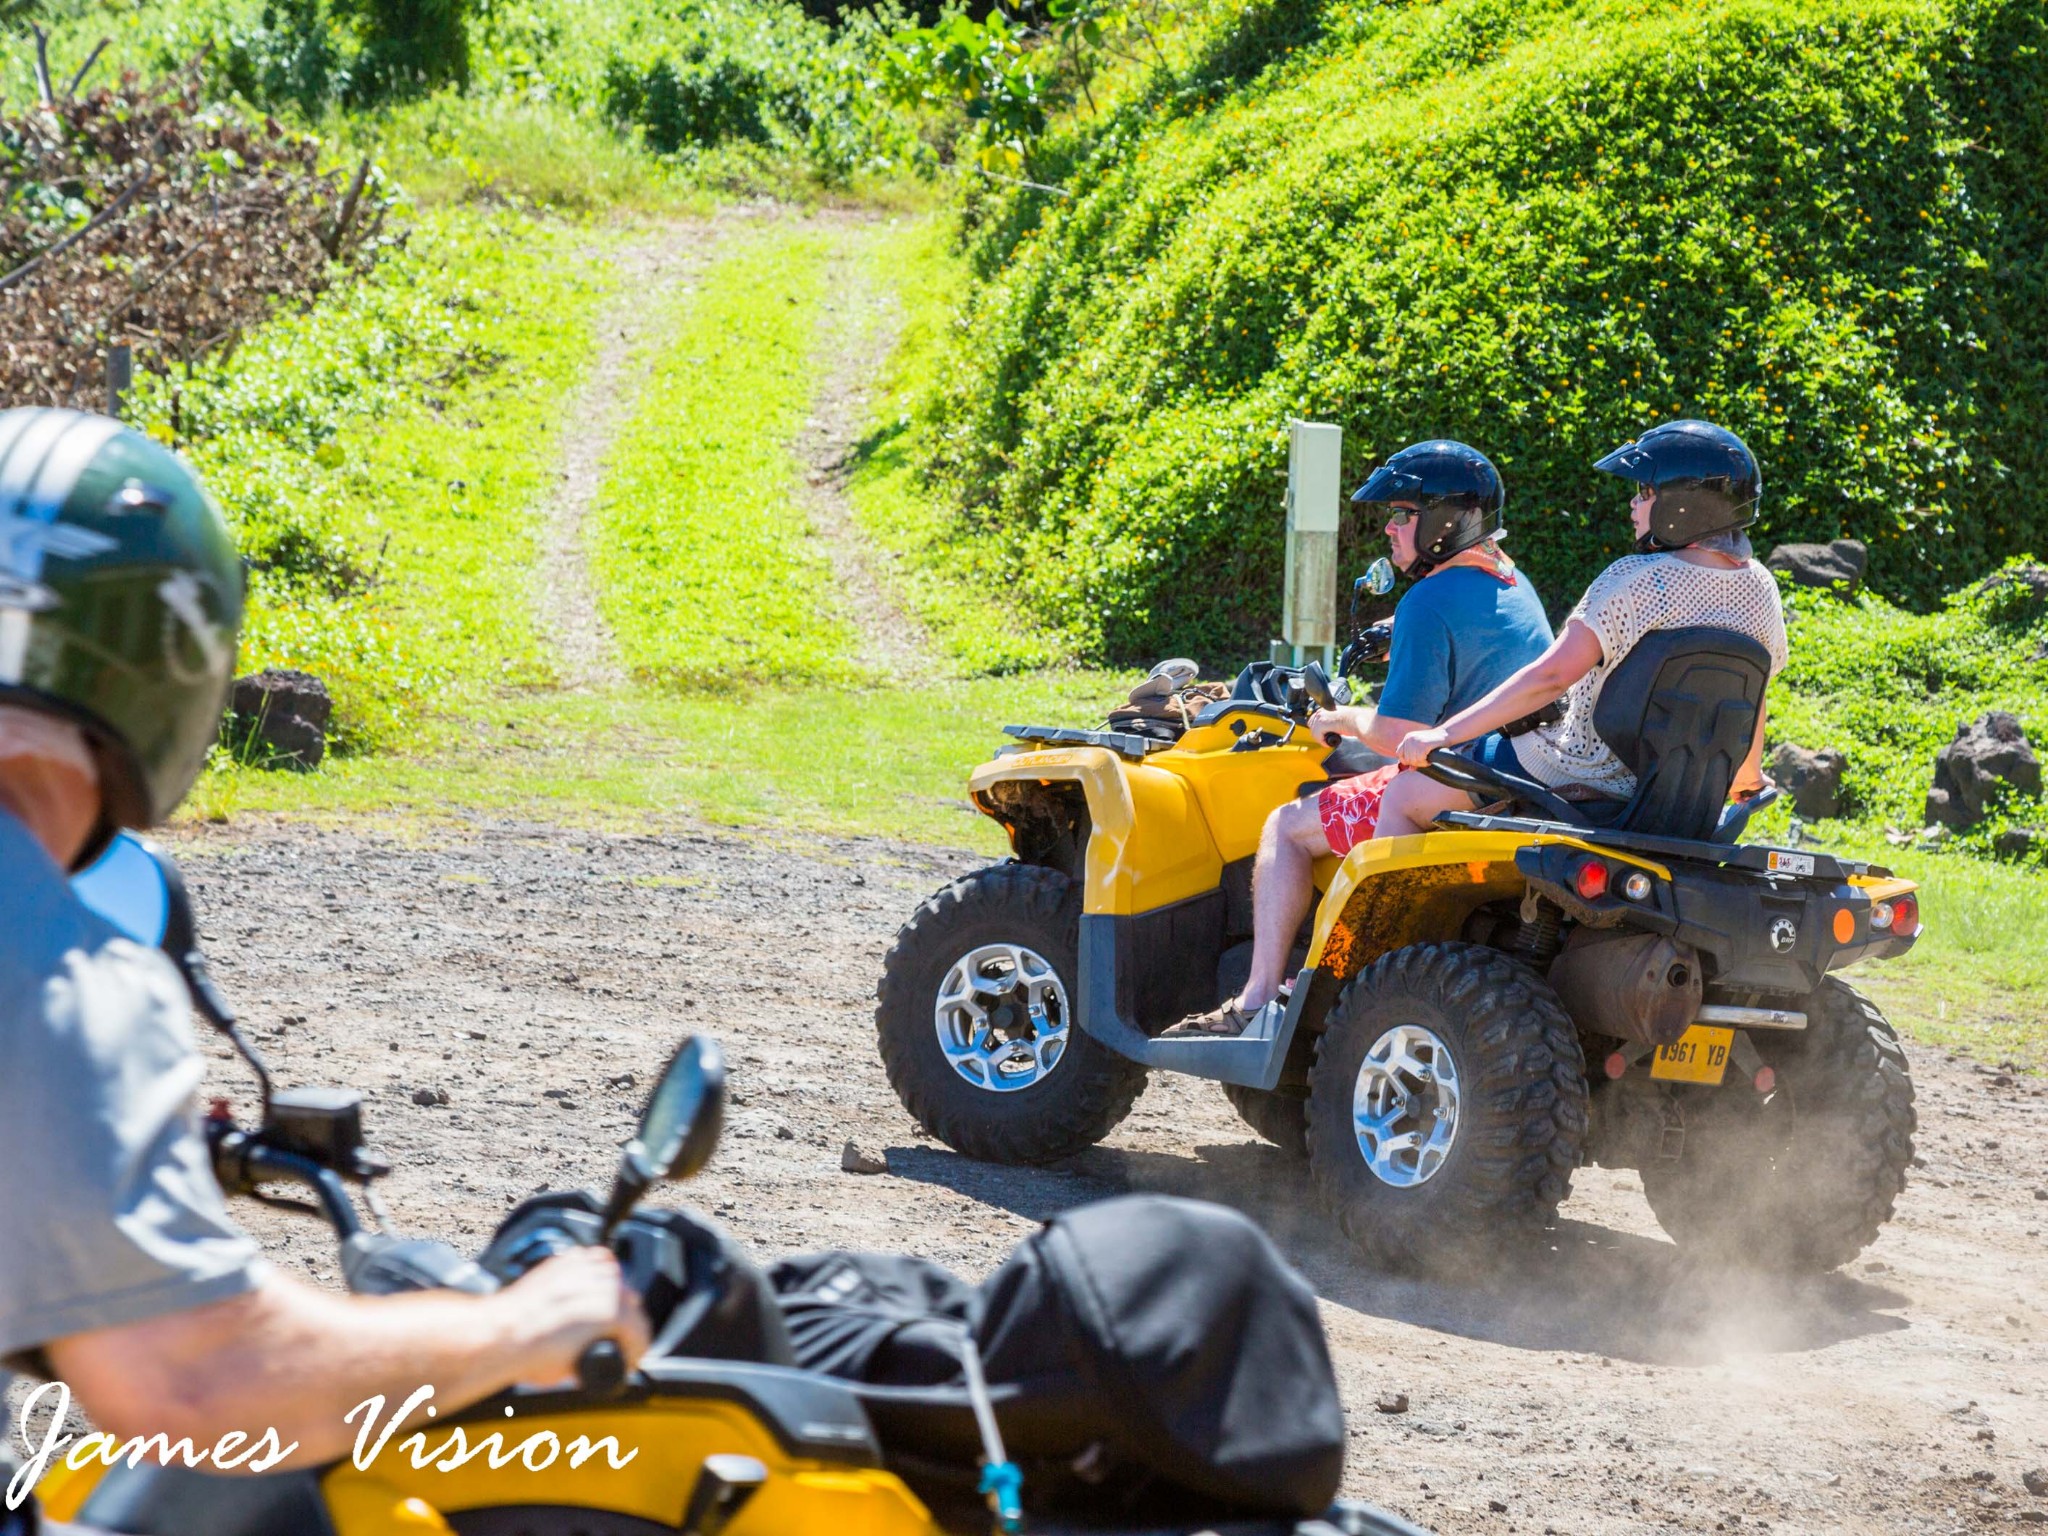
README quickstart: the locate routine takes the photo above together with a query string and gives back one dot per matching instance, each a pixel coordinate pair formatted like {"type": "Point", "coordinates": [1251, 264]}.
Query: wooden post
{"type": "Point", "coordinates": [120, 376]}
{"type": "Point", "coordinates": [1308, 609]}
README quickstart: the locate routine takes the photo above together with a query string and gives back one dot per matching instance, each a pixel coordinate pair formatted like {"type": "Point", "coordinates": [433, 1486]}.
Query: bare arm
{"type": "Point", "coordinates": [289, 1357]}
{"type": "Point", "coordinates": [1571, 656]}
{"type": "Point", "coordinates": [1382, 733]}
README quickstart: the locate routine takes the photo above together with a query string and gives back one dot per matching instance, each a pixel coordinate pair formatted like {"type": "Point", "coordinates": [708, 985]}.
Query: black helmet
{"type": "Point", "coordinates": [120, 602]}
{"type": "Point", "coordinates": [1457, 488]}
{"type": "Point", "coordinates": [1705, 478]}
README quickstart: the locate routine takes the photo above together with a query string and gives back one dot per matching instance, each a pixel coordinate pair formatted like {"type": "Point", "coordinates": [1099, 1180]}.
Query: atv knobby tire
{"type": "Point", "coordinates": [1804, 1180]}
{"type": "Point", "coordinates": [1087, 1091]}
{"type": "Point", "coordinates": [1521, 1116]}
{"type": "Point", "coordinates": [1282, 1118]}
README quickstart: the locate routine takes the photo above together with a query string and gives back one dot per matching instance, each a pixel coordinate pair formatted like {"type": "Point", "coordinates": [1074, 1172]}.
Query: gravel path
{"type": "Point", "coordinates": [538, 976]}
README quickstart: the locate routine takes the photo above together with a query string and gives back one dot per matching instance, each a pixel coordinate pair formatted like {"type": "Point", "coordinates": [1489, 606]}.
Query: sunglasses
{"type": "Point", "coordinates": [1401, 517]}
{"type": "Point", "coordinates": [1642, 493]}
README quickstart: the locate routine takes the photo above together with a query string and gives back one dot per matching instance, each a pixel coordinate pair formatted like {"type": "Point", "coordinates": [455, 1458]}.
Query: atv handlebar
{"type": "Point", "coordinates": [601, 1368]}
{"type": "Point", "coordinates": [242, 1161]}
{"type": "Point", "coordinates": [1370, 645]}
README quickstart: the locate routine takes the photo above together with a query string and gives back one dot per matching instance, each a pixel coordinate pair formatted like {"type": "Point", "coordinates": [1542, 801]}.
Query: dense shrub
{"type": "Point", "coordinates": [702, 73]}
{"type": "Point", "coordinates": [1890, 688]}
{"type": "Point", "coordinates": [310, 55]}
{"type": "Point", "coordinates": [137, 214]}
{"type": "Point", "coordinates": [1539, 225]}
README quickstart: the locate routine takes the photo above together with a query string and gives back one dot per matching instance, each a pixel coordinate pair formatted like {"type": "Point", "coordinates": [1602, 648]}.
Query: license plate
{"type": "Point", "coordinates": [1700, 1055]}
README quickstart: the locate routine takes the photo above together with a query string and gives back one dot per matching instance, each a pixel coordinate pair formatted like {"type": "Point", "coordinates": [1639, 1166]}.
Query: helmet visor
{"type": "Point", "coordinates": [1388, 484]}
{"type": "Point", "coordinates": [1631, 461]}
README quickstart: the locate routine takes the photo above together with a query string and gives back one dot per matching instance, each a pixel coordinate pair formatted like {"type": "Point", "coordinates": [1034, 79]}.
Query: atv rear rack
{"type": "Point", "coordinates": [1123, 743]}
{"type": "Point", "coordinates": [1752, 856]}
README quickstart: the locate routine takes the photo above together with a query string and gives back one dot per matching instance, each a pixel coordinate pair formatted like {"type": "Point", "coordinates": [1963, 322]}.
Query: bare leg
{"type": "Point", "coordinates": [1413, 801]}
{"type": "Point", "coordinates": [1283, 883]}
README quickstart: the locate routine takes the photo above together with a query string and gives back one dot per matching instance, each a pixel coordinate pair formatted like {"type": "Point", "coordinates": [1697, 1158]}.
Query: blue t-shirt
{"type": "Point", "coordinates": [1458, 635]}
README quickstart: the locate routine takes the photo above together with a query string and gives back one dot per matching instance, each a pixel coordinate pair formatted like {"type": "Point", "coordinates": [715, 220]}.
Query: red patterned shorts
{"type": "Point", "coordinates": [1350, 808]}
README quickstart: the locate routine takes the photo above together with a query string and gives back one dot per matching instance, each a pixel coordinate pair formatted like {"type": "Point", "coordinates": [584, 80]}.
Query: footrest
{"type": "Point", "coordinates": [1251, 1060]}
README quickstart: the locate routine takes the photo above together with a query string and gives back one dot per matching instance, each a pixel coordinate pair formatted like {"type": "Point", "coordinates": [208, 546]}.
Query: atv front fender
{"type": "Point", "coordinates": [1152, 909]}
{"type": "Point", "coordinates": [1148, 844]}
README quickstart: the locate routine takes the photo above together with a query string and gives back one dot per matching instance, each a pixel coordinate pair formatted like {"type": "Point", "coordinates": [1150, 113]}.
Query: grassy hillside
{"type": "Point", "coordinates": [379, 457]}
{"type": "Point", "coordinates": [1539, 225]}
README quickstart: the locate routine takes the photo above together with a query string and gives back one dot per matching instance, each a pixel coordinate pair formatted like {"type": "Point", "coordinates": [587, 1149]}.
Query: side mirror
{"type": "Point", "coordinates": [136, 887]}
{"type": "Point", "coordinates": [679, 1129]}
{"type": "Point", "coordinates": [1377, 581]}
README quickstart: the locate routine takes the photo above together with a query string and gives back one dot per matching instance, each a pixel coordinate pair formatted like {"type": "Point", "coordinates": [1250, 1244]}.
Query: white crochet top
{"type": "Point", "coordinates": [1636, 596]}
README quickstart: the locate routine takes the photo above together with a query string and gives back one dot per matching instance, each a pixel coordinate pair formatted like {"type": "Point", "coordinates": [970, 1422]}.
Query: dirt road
{"type": "Point", "coordinates": [537, 976]}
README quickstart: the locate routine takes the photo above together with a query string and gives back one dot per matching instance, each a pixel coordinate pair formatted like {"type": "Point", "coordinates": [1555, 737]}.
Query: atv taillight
{"type": "Point", "coordinates": [1590, 880]}
{"type": "Point", "coordinates": [1881, 915]}
{"type": "Point", "coordinates": [1905, 916]}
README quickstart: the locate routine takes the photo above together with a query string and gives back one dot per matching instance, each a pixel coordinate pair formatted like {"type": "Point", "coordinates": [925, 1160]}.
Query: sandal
{"type": "Point", "coordinates": [1226, 1022]}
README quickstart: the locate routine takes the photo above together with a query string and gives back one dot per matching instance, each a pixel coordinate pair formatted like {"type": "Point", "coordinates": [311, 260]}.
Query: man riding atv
{"type": "Point", "coordinates": [122, 1276]}
{"type": "Point", "coordinates": [1469, 622]}
{"type": "Point", "coordinates": [120, 1271]}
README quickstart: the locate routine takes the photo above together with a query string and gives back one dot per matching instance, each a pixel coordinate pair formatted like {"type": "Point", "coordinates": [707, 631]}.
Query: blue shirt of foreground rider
{"type": "Point", "coordinates": [109, 1212]}
{"type": "Point", "coordinates": [1459, 633]}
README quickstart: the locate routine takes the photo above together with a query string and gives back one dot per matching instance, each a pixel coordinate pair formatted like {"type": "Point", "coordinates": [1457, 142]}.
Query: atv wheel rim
{"type": "Point", "coordinates": [1002, 1017]}
{"type": "Point", "coordinates": [1404, 1106]}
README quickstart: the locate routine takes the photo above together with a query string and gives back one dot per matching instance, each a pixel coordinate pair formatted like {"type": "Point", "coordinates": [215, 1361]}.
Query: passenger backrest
{"type": "Point", "coordinates": [1681, 711]}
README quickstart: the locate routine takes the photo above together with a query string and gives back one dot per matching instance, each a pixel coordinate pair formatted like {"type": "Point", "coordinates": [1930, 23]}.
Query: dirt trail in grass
{"type": "Point", "coordinates": [669, 258]}
{"type": "Point", "coordinates": [861, 330]}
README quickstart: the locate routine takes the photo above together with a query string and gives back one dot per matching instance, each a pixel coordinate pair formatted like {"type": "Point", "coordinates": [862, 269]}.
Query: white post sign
{"type": "Point", "coordinates": [1308, 607]}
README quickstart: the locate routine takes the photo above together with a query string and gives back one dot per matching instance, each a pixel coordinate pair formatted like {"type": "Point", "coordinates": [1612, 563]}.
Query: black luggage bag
{"type": "Point", "coordinates": [1142, 1353]}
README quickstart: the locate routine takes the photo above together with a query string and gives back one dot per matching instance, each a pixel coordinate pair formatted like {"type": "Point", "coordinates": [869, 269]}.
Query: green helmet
{"type": "Point", "coordinates": [120, 601]}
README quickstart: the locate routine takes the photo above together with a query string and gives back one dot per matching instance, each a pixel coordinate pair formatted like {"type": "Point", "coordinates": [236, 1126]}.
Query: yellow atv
{"type": "Point", "coordinates": [1479, 1010]}
{"type": "Point", "coordinates": [710, 1436]}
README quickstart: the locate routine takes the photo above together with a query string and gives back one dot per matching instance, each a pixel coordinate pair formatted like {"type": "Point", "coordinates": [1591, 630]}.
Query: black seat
{"type": "Point", "coordinates": [1680, 711]}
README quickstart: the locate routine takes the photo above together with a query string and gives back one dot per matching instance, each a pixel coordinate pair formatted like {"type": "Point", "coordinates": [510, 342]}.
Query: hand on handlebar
{"type": "Point", "coordinates": [1417, 745]}
{"type": "Point", "coordinates": [567, 1303]}
{"type": "Point", "coordinates": [1328, 724]}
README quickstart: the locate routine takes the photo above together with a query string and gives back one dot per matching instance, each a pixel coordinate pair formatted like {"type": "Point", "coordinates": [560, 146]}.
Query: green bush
{"type": "Point", "coordinates": [686, 77]}
{"type": "Point", "coordinates": [406, 47]}
{"type": "Point", "coordinates": [308, 55]}
{"type": "Point", "coordinates": [1890, 688]}
{"type": "Point", "coordinates": [692, 76]}
{"type": "Point", "coordinates": [1538, 225]}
